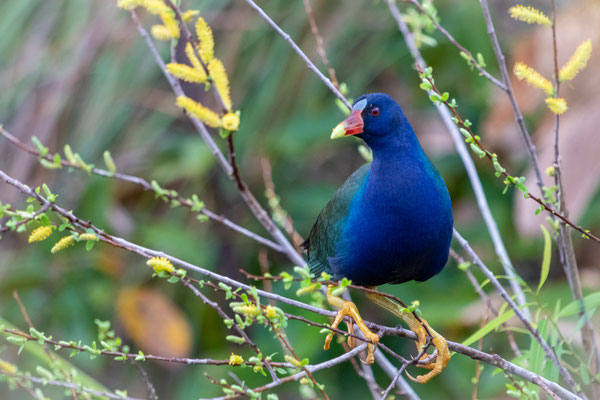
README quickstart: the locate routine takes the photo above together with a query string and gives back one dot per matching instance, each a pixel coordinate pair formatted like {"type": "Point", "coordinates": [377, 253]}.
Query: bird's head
{"type": "Point", "coordinates": [375, 118]}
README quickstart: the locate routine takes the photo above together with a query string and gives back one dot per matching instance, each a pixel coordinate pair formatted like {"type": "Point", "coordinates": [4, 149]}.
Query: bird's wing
{"type": "Point", "coordinates": [327, 230]}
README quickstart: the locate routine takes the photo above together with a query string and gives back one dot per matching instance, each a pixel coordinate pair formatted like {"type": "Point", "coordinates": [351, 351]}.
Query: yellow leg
{"type": "Point", "coordinates": [443, 354]}
{"type": "Point", "coordinates": [348, 308]}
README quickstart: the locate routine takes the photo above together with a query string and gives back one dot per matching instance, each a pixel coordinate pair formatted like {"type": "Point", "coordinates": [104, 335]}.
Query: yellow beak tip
{"type": "Point", "coordinates": [338, 131]}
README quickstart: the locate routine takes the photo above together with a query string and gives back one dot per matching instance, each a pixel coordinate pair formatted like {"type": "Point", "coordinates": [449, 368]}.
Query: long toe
{"type": "Point", "coordinates": [442, 358]}
{"type": "Point", "coordinates": [349, 309]}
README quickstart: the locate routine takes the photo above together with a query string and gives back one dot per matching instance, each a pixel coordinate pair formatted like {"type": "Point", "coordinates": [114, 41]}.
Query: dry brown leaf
{"type": "Point", "coordinates": [153, 322]}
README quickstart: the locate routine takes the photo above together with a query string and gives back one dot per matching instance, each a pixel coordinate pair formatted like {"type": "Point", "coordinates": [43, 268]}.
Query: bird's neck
{"type": "Point", "coordinates": [393, 154]}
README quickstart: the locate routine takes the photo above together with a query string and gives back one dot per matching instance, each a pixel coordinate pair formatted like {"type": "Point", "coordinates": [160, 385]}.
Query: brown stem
{"type": "Point", "coordinates": [564, 240]}
{"type": "Point", "coordinates": [320, 43]}
{"type": "Point", "coordinates": [460, 47]}
{"type": "Point", "coordinates": [510, 93]}
{"type": "Point", "coordinates": [489, 156]}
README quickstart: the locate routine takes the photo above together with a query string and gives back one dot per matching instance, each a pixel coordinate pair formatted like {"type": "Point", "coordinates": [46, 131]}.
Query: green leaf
{"type": "Point", "coordinates": [365, 153]}
{"type": "Point", "coordinates": [108, 160]}
{"type": "Point", "coordinates": [477, 150]}
{"type": "Point", "coordinates": [490, 326]}
{"type": "Point", "coordinates": [546, 258]}
{"type": "Point", "coordinates": [436, 98]}
{"type": "Point", "coordinates": [235, 339]}
{"type": "Point", "coordinates": [44, 219]}
{"type": "Point", "coordinates": [89, 245]}
{"type": "Point", "coordinates": [590, 301]}
{"type": "Point", "coordinates": [69, 154]}
{"type": "Point", "coordinates": [40, 147]}
{"type": "Point", "coordinates": [49, 165]}
{"type": "Point", "coordinates": [224, 133]}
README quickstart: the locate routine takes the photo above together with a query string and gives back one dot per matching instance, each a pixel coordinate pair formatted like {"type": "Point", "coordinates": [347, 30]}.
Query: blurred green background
{"type": "Point", "coordinates": [76, 72]}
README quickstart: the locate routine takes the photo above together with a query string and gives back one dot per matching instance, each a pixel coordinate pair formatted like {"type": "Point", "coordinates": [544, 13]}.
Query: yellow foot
{"type": "Point", "coordinates": [421, 328]}
{"type": "Point", "coordinates": [440, 344]}
{"type": "Point", "coordinates": [348, 308]}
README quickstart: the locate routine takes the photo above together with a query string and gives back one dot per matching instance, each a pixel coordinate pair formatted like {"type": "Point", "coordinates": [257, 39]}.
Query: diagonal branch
{"type": "Point", "coordinates": [146, 186]}
{"type": "Point", "coordinates": [68, 385]}
{"type": "Point", "coordinates": [299, 51]}
{"type": "Point", "coordinates": [475, 354]}
{"type": "Point", "coordinates": [452, 40]}
{"type": "Point", "coordinates": [247, 196]}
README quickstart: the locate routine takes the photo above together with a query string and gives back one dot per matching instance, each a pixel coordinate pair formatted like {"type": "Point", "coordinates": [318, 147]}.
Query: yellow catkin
{"type": "Point", "coordinates": [191, 55]}
{"type": "Point", "coordinates": [168, 30]}
{"type": "Point", "coordinates": [130, 4]}
{"type": "Point", "coordinates": [40, 234]}
{"type": "Point", "coordinates": [529, 14]}
{"type": "Point", "coordinates": [270, 312]}
{"type": "Point", "coordinates": [557, 105]}
{"type": "Point", "coordinates": [187, 73]}
{"type": "Point", "coordinates": [523, 72]}
{"type": "Point", "coordinates": [219, 76]}
{"type": "Point", "coordinates": [235, 360]}
{"type": "Point", "coordinates": [197, 110]}
{"type": "Point", "coordinates": [231, 121]}
{"type": "Point", "coordinates": [160, 264]}
{"type": "Point", "coordinates": [171, 24]}
{"type": "Point", "coordinates": [577, 62]}
{"type": "Point", "coordinates": [189, 15]}
{"type": "Point", "coordinates": [156, 7]}
{"type": "Point", "coordinates": [7, 367]}
{"type": "Point", "coordinates": [88, 236]}
{"type": "Point", "coordinates": [249, 310]}
{"type": "Point", "coordinates": [160, 32]}
{"type": "Point", "coordinates": [63, 244]}
{"type": "Point", "coordinates": [207, 42]}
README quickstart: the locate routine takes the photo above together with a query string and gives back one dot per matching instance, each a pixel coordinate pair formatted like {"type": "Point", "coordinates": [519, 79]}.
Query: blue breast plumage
{"type": "Point", "coordinates": [391, 221]}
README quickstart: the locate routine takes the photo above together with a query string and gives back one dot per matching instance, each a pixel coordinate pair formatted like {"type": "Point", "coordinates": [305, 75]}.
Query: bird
{"type": "Point", "coordinates": [390, 222]}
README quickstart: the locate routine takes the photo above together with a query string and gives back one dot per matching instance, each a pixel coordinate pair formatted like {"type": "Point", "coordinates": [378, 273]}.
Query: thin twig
{"type": "Point", "coordinates": [565, 241]}
{"type": "Point", "coordinates": [150, 390]}
{"type": "Point", "coordinates": [511, 339]}
{"type": "Point", "coordinates": [146, 186]}
{"type": "Point", "coordinates": [299, 51]}
{"type": "Point", "coordinates": [456, 44]}
{"type": "Point", "coordinates": [320, 44]}
{"type": "Point", "coordinates": [23, 309]}
{"type": "Point", "coordinates": [392, 371]}
{"type": "Point", "coordinates": [490, 156]}
{"type": "Point", "coordinates": [131, 356]}
{"type": "Point", "coordinates": [68, 385]}
{"type": "Point", "coordinates": [535, 164]}
{"type": "Point", "coordinates": [24, 221]}
{"type": "Point", "coordinates": [224, 315]}
{"type": "Point", "coordinates": [284, 219]}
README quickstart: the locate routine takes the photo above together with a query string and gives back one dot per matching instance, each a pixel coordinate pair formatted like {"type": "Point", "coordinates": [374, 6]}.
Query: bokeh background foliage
{"type": "Point", "coordinates": [77, 72]}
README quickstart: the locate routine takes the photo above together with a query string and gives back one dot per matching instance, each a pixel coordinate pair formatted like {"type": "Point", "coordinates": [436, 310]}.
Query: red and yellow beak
{"type": "Point", "coordinates": [352, 125]}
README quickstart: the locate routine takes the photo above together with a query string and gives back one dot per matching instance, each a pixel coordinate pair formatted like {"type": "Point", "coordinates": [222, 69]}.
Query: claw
{"type": "Point", "coordinates": [440, 344]}
{"type": "Point", "coordinates": [423, 330]}
{"type": "Point", "coordinates": [348, 308]}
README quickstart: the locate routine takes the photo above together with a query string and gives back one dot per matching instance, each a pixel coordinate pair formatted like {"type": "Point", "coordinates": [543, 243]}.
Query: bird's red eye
{"type": "Point", "coordinates": [375, 111]}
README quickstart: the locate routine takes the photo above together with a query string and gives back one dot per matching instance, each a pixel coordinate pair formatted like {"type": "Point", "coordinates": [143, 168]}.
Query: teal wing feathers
{"type": "Point", "coordinates": [327, 230]}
